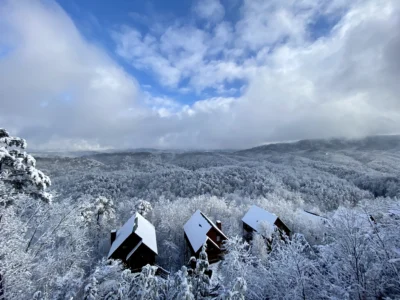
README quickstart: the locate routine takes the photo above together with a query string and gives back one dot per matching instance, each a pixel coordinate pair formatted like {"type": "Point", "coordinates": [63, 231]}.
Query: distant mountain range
{"type": "Point", "coordinates": [378, 142]}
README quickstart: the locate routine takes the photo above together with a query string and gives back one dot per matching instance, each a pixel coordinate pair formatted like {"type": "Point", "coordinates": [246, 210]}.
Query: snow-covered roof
{"type": "Point", "coordinates": [311, 217]}
{"type": "Point", "coordinates": [143, 228]}
{"type": "Point", "coordinates": [196, 229]}
{"type": "Point", "coordinates": [147, 232]}
{"type": "Point", "coordinates": [257, 215]}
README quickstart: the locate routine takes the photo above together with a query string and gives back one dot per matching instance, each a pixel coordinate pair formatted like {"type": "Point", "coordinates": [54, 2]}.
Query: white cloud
{"type": "Point", "coordinates": [58, 89]}
{"type": "Point", "coordinates": [51, 60]}
{"type": "Point", "coordinates": [210, 10]}
{"type": "Point", "coordinates": [143, 53]}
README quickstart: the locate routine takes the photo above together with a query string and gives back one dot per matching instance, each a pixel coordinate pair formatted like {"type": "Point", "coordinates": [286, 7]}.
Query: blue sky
{"type": "Point", "coordinates": [97, 19]}
{"type": "Point", "coordinates": [94, 74]}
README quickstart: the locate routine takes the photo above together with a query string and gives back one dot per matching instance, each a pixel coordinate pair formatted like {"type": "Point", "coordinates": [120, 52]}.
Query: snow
{"type": "Point", "coordinates": [256, 215]}
{"type": "Point", "coordinates": [133, 250]}
{"type": "Point", "coordinates": [145, 230]}
{"type": "Point", "coordinates": [314, 218]}
{"type": "Point", "coordinates": [196, 229]}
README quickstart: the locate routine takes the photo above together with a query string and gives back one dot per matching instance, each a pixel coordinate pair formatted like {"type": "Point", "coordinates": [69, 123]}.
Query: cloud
{"type": "Point", "coordinates": [59, 89]}
{"type": "Point", "coordinates": [51, 60]}
{"type": "Point", "coordinates": [209, 10]}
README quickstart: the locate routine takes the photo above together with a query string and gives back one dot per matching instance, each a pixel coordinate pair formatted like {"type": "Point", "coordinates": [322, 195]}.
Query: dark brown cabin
{"type": "Point", "coordinates": [255, 217]}
{"type": "Point", "coordinates": [200, 230]}
{"type": "Point", "coordinates": [134, 243]}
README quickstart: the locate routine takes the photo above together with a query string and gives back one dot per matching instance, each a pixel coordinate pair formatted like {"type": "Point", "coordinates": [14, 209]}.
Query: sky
{"type": "Point", "coordinates": [209, 74]}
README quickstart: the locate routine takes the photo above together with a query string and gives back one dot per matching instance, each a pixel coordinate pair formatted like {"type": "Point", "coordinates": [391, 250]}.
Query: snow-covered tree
{"type": "Point", "coordinates": [143, 207]}
{"type": "Point", "coordinates": [358, 258]}
{"type": "Point", "coordinates": [184, 287]}
{"type": "Point", "coordinates": [99, 211]}
{"type": "Point", "coordinates": [98, 215]}
{"type": "Point", "coordinates": [16, 265]}
{"type": "Point", "coordinates": [238, 260]}
{"type": "Point", "coordinates": [146, 285]}
{"type": "Point", "coordinates": [91, 290]}
{"type": "Point", "coordinates": [19, 168]}
{"type": "Point", "coordinates": [112, 282]}
{"type": "Point", "coordinates": [291, 272]}
{"type": "Point", "coordinates": [199, 278]}
{"type": "Point", "coordinates": [38, 296]}
{"type": "Point", "coordinates": [238, 291]}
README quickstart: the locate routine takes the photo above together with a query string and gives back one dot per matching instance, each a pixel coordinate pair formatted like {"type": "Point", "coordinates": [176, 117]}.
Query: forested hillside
{"type": "Point", "coordinates": [323, 174]}
{"type": "Point", "coordinates": [58, 250]}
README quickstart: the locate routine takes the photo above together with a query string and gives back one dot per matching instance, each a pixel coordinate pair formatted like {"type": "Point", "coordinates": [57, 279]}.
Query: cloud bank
{"type": "Point", "coordinates": [279, 71]}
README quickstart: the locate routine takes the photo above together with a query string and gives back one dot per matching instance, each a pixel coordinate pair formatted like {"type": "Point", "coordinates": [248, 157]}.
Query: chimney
{"type": "Point", "coordinates": [113, 235]}
{"type": "Point", "coordinates": [219, 225]}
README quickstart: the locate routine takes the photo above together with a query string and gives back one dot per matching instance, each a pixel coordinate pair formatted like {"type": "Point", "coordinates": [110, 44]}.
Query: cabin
{"type": "Point", "coordinates": [200, 230]}
{"type": "Point", "coordinates": [134, 243]}
{"type": "Point", "coordinates": [254, 220]}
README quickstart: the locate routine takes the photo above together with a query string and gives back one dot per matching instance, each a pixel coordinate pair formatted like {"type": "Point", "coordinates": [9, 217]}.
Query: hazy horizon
{"type": "Point", "coordinates": [144, 149]}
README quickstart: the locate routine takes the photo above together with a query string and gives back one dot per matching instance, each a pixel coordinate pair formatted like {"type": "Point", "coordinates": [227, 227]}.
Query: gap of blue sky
{"type": "Point", "coordinates": [97, 20]}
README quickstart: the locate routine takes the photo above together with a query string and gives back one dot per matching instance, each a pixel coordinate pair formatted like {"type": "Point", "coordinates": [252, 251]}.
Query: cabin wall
{"type": "Point", "coordinates": [216, 237]}
{"type": "Point", "coordinates": [142, 256]}
{"type": "Point", "coordinates": [247, 232]}
{"type": "Point", "coordinates": [213, 253]}
{"type": "Point", "coordinates": [282, 227]}
{"type": "Point", "coordinates": [126, 247]}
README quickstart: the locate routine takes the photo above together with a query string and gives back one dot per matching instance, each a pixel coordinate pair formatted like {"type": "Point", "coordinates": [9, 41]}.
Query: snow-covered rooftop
{"type": "Point", "coordinates": [147, 232]}
{"type": "Point", "coordinates": [257, 215]}
{"type": "Point", "coordinates": [311, 217]}
{"type": "Point", "coordinates": [143, 228]}
{"type": "Point", "coordinates": [196, 229]}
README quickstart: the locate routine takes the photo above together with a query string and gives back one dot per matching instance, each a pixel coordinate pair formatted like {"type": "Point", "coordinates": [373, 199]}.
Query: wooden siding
{"type": "Point", "coordinates": [141, 257]}
{"type": "Point", "coordinates": [214, 253]}
{"type": "Point", "coordinates": [122, 251]}
{"type": "Point", "coordinates": [282, 227]}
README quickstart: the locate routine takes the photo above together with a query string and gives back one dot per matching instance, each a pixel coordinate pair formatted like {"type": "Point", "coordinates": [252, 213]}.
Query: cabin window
{"type": "Point", "coordinates": [218, 238]}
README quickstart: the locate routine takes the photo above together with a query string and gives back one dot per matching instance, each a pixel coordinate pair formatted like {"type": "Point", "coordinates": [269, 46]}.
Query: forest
{"type": "Point", "coordinates": [57, 211]}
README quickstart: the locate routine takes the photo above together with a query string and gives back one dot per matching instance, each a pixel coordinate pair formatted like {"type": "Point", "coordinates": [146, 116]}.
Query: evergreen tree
{"type": "Point", "coordinates": [184, 288]}
{"type": "Point", "coordinates": [19, 168]}
{"type": "Point", "coordinates": [200, 279]}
